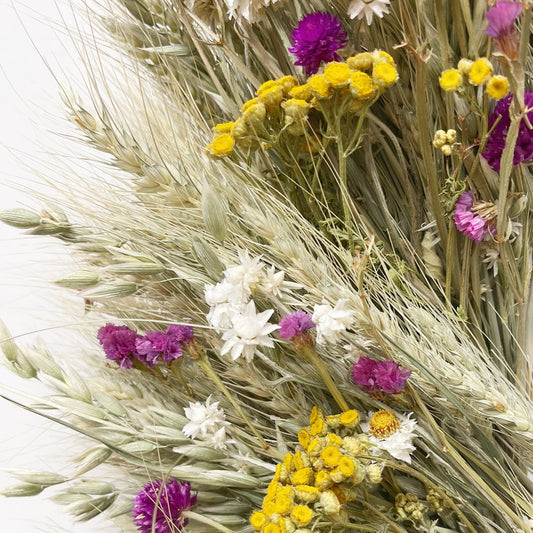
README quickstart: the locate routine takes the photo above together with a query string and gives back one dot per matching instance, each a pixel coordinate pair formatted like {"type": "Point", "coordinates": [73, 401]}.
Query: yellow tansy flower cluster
{"type": "Point", "coordinates": [444, 141]}
{"type": "Point", "coordinates": [312, 484]}
{"type": "Point", "coordinates": [475, 73]}
{"type": "Point", "coordinates": [283, 105]}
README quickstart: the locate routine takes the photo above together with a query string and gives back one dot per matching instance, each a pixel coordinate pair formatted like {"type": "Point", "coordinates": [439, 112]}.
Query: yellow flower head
{"type": "Point", "coordinates": [300, 460]}
{"type": "Point", "coordinates": [255, 114]}
{"type": "Point", "coordinates": [383, 424]}
{"type": "Point", "coordinates": [286, 83]}
{"type": "Point", "coordinates": [323, 480]}
{"type": "Point", "coordinates": [361, 85]}
{"type": "Point", "coordinates": [317, 427]}
{"type": "Point", "coordinates": [380, 56]}
{"type": "Point", "coordinates": [464, 66]}
{"type": "Point", "coordinates": [306, 493]}
{"type": "Point", "coordinates": [301, 92]}
{"type": "Point", "coordinates": [304, 476]}
{"type": "Point", "coordinates": [346, 466]}
{"type": "Point", "coordinates": [304, 438]}
{"type": "Point", "coordinates": [384, 74]}
{"type": "Point", "coordinates": [350, 418]}
{"type": "Point", "coordinates": [450, 80]}
{"type": "Point", "coordinates": [287, 461]}
{"type": "Point", "coordinates": [356, 445]}
{"type": "Point", "coordinates": [222, 145]}
{"type": "Point", "coordinates": [480, 72]}
{"type": "Point", "coordinates": [331, 456]}
{"type": "Point", "coordinates": [315, 413]}
{"type": "Point", "coordinates": [362, 61]}
{"type": "Point", "coordinates": [498, 87]}
{"type": "Point", "coordinates": [224, 127]}
{"type": "Point", "coordinates": [373, 473]}
{"type": "Point", "coordinates": [333, 438]}
{"type": "Point", "coordinates": [266, 86]}
{"type": "Point", "coordinates": [257, 520]}
{"type": "Point", "coordinates": [282, 504]}
{"type": "Point", "coordinates": [338, 74]}
{"type": "Point", "coordinates": [271, 97]}
{"type": "Point", "coordinates": [249, 103]}
{"type": "Point", "coordinates": [271, 527]}
{"type": "Point", "coordinates": [301, 515]}
{"type": "Point", "coordinates": [319, 86]}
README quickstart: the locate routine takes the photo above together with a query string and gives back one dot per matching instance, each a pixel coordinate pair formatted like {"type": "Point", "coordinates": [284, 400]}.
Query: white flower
{"type": "Point", "coordinates": [207, 422]}
{"type": "Point", "coordinates": [398, 440]}
{"type": "Point", "coordinates": [272, 281]}
{"type": "Point", "coordinates": [224, 292]}
{"type": "Point", "coordinates": [368, 8]}
{"type": "Point", "coordinates": [247, 275]}
{"type": "Point", "coordinates": [251, 10]}
{"type": "Point", "coordinates": [331, 321]}
{"type": "Point", "coordinates": [249, 330]}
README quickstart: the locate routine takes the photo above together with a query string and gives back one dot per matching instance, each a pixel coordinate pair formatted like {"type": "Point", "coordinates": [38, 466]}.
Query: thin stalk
{"type": "Point", "coordinates": [201, 358]}
{"type": "Point", "coordinates": [317, 362]}
{"type": "Point", "coordinates": [207, 521]}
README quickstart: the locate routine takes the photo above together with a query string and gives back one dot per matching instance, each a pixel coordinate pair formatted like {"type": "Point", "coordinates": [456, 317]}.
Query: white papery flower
{"type": "Point", "coordinates": [272, 281]}
{"type": "Point", "coordinates": [251, 10]}
{"type": "Point", "coordinates": [249, 330]}
{"type": "Point", "coordinates": [331, 321]}
{"type": "Point", "coordinates": [368, 8]}
{"type": "Point", "coordinates": [247, 275]}
{"type": "Point", "coordinates": [207, 422]}
{"type": "Point", "coordinates": [391, 433]}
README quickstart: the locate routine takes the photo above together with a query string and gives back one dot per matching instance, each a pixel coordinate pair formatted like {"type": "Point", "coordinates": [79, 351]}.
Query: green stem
{"type": "Point", "coordinates": [315, 360]}
{"type": "Point", "coordinates": [204, 362]}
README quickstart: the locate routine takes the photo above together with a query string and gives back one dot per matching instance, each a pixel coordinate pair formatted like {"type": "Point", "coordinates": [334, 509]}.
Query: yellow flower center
{"type": "Point", "coordinates": [304, 476]}
{"type": "Point", "coordinates": [282, 504]}
{"type": "Point", "coordinates": [301, 514]}
{"type": "Point", "coordinates": [450, 80]}
{"type": "Point", "coordinates": [316, 427]}
{"type": "Point", "coordinates": [319, 86]}
{"type": "Point", "coordinates": [350, 418]}
{"type": "Point", "coordinates": [346, 466]}
{"type": "Point", "coordinates": [331, 455]}
{"type": "Point", "coordinates": [257, 520]}
{"type": "Point", "coordinates": [338, 74]}
{"type": "Point", "coordinates": [498, 87]}
{"type": "Point", "coordinates": [383, 424]}
{"type": "Point", "coordinates": [271, 528]}
{"type": "Point", "coordinates": [222, 144]}
{"type": "Point", "coordinates": [385, 74]}
{"type": "Point", "coordinates": [480, 71]}
{"type": "Point", "coordinates": [303, 438]}
{"type": "Point", "coordinates": [361, 85]}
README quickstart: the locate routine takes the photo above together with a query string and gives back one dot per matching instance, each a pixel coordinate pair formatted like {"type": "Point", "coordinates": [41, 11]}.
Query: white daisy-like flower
{"type": "Point", "coordinates": [251, 10]}
{"type": "Point", "coordinates": [391, 433]}
{"type": "Point", "coordinates": [247, 275]}
{"type": "Point", "coordinates": [331, 321]}
{"type": "Point", "coordinates": [226, 300]}
{"type": "Point", "coordinates": [272, 281]}
{"type": "Point", "coordinates": [249, 330]}
{"type": "Point", "coordinates": [368, 8]}
{"type": "Point", "coordinates": [207, 422]}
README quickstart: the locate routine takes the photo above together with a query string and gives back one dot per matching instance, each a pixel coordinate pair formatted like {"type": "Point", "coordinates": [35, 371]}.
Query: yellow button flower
{"type": "Point", "coordinates": [304, 476]}
{"type": "Point", "coordinates": [222, 145]}
{"type": "Point", "coordinates": [383, 424]}
{"type": "Point", "coordinates": [362, 61]}
{"type": "Point", "coordinates": [301, 515]}
{"type": "Point", "coordinates": [384, 74]}
{"type": "Point", "coordinates": [350, 418]}
{"type": "Point", "coordinates": [287, 83]}
{"type": "Point", "coordinates": [257, 520]}
{"type": "Point", "coordinates": [319, 86]}
{"type": "Point", "coordinates": [480, 72]}
{"type": "Point", "coordinates": [331, 455]}
{"type": "Point", "coordinates": [498, 87]}
{"type": "Point", "coordinates": [338, 74]}
{"type": "Point", "coordinates": [271, 528]}
{"type": "Point", "coordinates": [304, 438]}
{"type": "Point", "coordinates": [361, 85]}
{"type": "Point", "coordinates": [450, 80]}
{"type": "Point", "coordinates": [224, 127]}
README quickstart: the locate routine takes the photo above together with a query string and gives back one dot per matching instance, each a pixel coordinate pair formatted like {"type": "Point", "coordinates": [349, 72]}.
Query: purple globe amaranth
{"type": "Point", "coordinates": [317, 38]}
{"type": "Point", "coordinates": [119, 344]}
{"type": "Point", "coordinates": [295, 324]}
{"type": "Point", "coordinates": [363, 372]}
{"type": "Point", "coordinates": [467, 222]}
{"type": "Point", "coordinates": [159, 506]}
{"type": "Point", "coordinates": [168, 344]}
{"type": "Point", "coordinates": [496, 142]}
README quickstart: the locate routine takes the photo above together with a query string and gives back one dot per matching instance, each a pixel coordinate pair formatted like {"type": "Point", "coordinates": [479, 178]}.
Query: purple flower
{"type": "Point", "coordinates": [496, 142]}
{"type": "Point", "coordinates": [118, 343]}
{"type": "Point", "coordinates": [159, 506]}
{"type": "Point", "coordinates": [390, 378]}
{"type": "Point", "coordinates": [363, 372]}
{"type": "Point", "coordinates": [317, 38]}
{"type": "Point", "coordinates": [383, 376]}
{"type": "Point", "coordinates": [168, 344]}
{"type": "Point", "coordinates": [501, 18]}
{"type": "Point", "coordinates": [468, 222]}
{"type": "Point", "coordinates": [295, 324]}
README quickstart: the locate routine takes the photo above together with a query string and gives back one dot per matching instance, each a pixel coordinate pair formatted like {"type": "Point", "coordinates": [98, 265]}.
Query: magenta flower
{"type": "Point", "coordinates": [118, 343]}
{"type": "Point", "coordinates": [390, 378]}
{"type": "Point", "coordinates": [467, 222]}
{"type": "Point", "coordinates": [383, 376]}
{"type": "Point", "coordinates": [159, 506]}
{"type": "Point", "coordinates": [363, 372]}
{"type": "Point", "coordinates": [295, 324]}
{"type": "Point", "coordinates": [317, 38]}
{"type": "Point", "coordinates": [168, 345]}
{"type": "Point", "coordinates": [501, 18]}
{"type": "Point", "coordinates": [496, 142]}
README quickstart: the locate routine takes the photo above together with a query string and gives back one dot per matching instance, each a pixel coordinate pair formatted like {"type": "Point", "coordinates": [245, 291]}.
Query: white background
{"type": "Point", "coordinates": [31, 116]}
